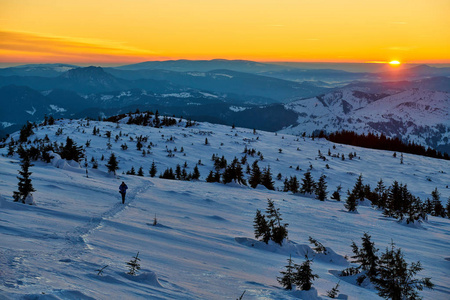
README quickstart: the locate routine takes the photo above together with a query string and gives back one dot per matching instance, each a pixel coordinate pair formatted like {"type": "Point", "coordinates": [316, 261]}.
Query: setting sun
{"type": "Point", "coordinates": [394, 62]}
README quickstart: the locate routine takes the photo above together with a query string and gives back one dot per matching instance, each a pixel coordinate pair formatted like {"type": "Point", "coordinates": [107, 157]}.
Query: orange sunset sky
{"type": "Point", "coordinates": [126, 31]}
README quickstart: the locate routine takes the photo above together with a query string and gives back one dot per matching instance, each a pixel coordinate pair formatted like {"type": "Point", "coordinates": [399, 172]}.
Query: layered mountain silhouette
{"type": "Point", "coordinates": [245, 93]}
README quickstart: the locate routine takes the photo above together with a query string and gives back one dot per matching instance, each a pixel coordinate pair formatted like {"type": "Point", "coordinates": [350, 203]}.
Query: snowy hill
{"type": "Point", "coordinates": [203, 246]}
{"type": "Point", "coordinates": [417, 115]}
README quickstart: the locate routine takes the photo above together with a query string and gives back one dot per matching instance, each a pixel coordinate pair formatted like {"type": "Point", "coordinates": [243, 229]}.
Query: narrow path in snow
{"type": "Point", "coordinates": [76, 240]}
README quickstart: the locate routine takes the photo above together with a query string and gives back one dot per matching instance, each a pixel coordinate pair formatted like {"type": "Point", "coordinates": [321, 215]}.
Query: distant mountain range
{"type": "Point", "coordinates": [245, 93]}
{"type": "Point", "coordinates": [241, 87]}
{"type": "Point", "coordinates": [42, 70]}
{"type": "Point", "coordinates": [418, 115]}
{"type": "Point", "coordinates": [183, 65]}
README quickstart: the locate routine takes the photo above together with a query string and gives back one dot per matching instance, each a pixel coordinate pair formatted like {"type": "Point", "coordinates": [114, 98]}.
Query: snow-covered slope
{"type": "Point", "coordinates": [203, 246]}
{"type": "Point", "coordinates": [416, 115]}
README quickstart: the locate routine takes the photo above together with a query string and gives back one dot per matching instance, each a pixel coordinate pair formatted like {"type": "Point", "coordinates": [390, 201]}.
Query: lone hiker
{"type": "Point", "coordinates": [123, 190]}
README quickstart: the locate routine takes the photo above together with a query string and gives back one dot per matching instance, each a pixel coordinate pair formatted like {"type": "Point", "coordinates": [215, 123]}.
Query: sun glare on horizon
{"type": "Point", "coordinates": [394, 63]}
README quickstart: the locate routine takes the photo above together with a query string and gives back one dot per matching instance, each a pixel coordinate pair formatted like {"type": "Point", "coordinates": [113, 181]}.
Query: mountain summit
{"type": "Point", "coordinates": [91, 79]}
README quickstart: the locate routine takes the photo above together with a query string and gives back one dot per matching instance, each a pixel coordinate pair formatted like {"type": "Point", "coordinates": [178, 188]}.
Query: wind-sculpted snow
{"type": "Point", "coordinates": [290, 248]}
{"type": "Point", "coordinates": [203, 245]}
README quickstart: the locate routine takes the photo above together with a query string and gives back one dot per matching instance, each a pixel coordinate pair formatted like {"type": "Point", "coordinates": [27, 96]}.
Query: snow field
{"type": "Point", "coordinates": [203, 246]}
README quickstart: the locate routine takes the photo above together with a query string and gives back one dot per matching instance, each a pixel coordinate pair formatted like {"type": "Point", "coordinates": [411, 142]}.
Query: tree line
{"type": "Point", "coordinates": [381, 142]}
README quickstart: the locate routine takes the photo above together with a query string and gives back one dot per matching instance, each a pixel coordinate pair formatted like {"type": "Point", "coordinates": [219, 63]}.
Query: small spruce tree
{"type": "Point", "coordinates": [25, 187]}
{"type": "Point", "coordinates": [447, 208]}
{"type": "Point", "coordinates": [307, 184]}
{"type": "Point", "coordinates": [132, 171]}
{"type": "Point", "coordinates": [266, 179]}
{"type": "Point", "coordinates": [321, 188]}
{"type": "Point", "coordinates": [262, 229]}
{"type": "Point", "coordinates": [293, 184]}
{"type": "Point", "coordinates": [134, 265]}
{"type": "Point", "coordinates": [366, 256]}
{"type": "Point", "coordinates": [350, 203]}
{"type": "Point", "coordinates": [140, 172]}
{"type": "Point", "coordinates": [336, 194]}
{"type": "Point", "coordinates": [113, 164]}
{"type": "Point", "coordinates": [255, 175]}
{"type": "Point", "coordinates": [279, 231]}
{"type": "Point", "coordinates": [438, 208]}
{"type": "Point", "coordinates": [380, 191]}
{"type": "Point", "coordinates": [333, 293]}
{"type": "Point", "coordinates": [358, 189]}
{"type": "Point", "coordinates": [286, 280]}
{"type": "Point", "coordinates": [196, 173]}
{"type": "Point", "coordinates": [153, 170]}
{"type": "Point", "coordinates": [303, 277]}
{"type": "Point", "coordinates": [318, 246]}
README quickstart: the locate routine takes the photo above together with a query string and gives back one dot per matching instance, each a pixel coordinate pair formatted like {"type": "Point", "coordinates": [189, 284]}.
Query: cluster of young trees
{"type": "Point", "coordinates": [400, 203]}
{"type": "Point", "coordinates": [180, 174]}
{"type": "Point", "coordinates": [145, 119]}
{"type": "Point", "coordinates": [298, 275]}
{"type": "Point", "coordinates": [263, 177]}
{"type": "Point", "coordinates": [132, 171]}
{"type": "Point", "coordinates": [48, 120]}
{"type": "Point", "coordinates": [148, 118]}
{"type": "Point", "coordinates": [71, 151]}
{"type": "Point", "coordinates": [234, 171]}
{"type": "Point", "coordinates": [434, 206]}
{"type": "Point", "coordinates": [41, 148]}
{"type": "Point", "coordinates": [252, 152]}
{"type": "Point", "coordinates": [26, 132]}
{"type": "Point", "coordinates": [390, 273]}
{"type": "Point", "coordinates": [396, 201]}
{"type": "Point", "coordinates": [308, 186]}
{"type": "Point", "coordinates": [230, 172]}
{"type": "Point", "coordinates": [355, 196]}
{"type": "Point", "coordinates": [382, 142]}
{"type": "Point", "coordinates": [269, 227]}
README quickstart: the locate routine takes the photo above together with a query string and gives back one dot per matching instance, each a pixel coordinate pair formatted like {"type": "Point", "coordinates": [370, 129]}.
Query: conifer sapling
{"type": "Point", "coordinates": [133, 265]}
{"type": "Point", "coordinates": [287, 278]}
{"type": "Point", "coordinates": [304, 275]}
{"type": "Point", "coordinates": [334, 291]}
{"type": "Point", "coordinates": [25, 187]}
